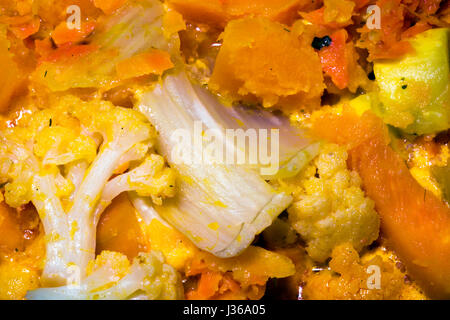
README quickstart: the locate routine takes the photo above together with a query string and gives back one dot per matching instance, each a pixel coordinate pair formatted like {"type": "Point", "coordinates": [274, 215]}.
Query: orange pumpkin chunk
{"type": "Point", "coordinates": [109, 6]}
{"type": "Point", "coordinates": [262, 61]}
{"type": "Point", "coordinates": [119, 230]}
{"type": "Point", "coordinates": [12, 77]}
{"type": "Point", "coordinates": [220, 12]}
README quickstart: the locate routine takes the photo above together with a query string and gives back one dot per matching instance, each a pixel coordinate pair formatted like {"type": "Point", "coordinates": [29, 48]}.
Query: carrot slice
{"type": "Point", "coordinates": [67, 52]}
{"type": "Point", "coordinates": [209, 284]}
{"type": "Point", "coordinates": [152, 62]}
{"type": "Point", "coordinates": [334, 59]}
{"type": "Point", "coordinates": [62, 34]}
{"type": "Point", "coordinates": [415, 222]}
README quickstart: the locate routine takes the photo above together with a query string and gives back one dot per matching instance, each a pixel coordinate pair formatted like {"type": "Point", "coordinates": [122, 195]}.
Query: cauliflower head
{"type": "Point", "coordinates": [68, 160]}
{"type": "Point", "coordinates": [330, 208]}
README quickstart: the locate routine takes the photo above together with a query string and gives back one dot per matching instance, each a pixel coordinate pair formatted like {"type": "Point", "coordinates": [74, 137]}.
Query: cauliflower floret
{"type": "Point", "coordinates": [351, 277]}
{"type": "Point", "coordinates": [62, 160]}
{"type": "Point", "coordinates": [330, 208]}
{"type": "Point", "coordinates": [152, 170]}
{"type": "Point", "coordinates": [111, 277]}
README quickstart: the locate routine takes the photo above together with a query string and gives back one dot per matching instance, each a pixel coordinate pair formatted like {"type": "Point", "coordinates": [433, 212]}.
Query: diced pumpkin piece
{"type": "Point", "coordinates": [209, 12]}
{"type": "Point", "coordinates": [262, 61]}
{"type": "Point", "coordinates": [27, 29]}
{"type": "Point", "coordinates": [414, 91]}
{"type": "Point", "coordinates": [12, 238]}
{"type": "Point", "coordinates": [177, 249]}
{"type": "Point", "coordinates": [12, 77]}
{"type": "Point", "coordinates": [219, 12]}
{"type": "Point", "coordinates": [173, 22]}
{"type": "Point", "coordinates": [277, 10]}
{"type": "Point", "coordinates": [109, 6]}
{"type": "Point", "coordinates": [118, 229]}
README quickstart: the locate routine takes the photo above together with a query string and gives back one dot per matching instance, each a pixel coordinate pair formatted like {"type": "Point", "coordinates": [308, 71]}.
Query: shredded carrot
{"type": "Point", "coordinates": [62, 34]}
{"type": "Point", "coordinates": [216, 285]}
{"type": "Point", "coordinates": [430, 6]}
{"type": "Point", "coordinates": [209, 284]}
{"type": "Point", "coordinates": [386, 42]}
{"type": "Point", "coordinates": [109, 6]}
{"type": "Point", "coordinates": [68, 52]}
{"type": "Point", "coordinates": [334, 59]}
{"type": "Point", "coordinates": [152, 62]}
{"type": "Point", "coordinates": [228, 284]}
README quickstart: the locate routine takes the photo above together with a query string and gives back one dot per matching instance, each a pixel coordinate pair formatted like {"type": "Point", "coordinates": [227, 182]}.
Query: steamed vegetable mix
{"type": "Point", "coordinates": [224, 149]}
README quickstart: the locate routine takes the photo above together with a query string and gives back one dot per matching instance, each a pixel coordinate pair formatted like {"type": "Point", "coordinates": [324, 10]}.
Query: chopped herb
{"type": "Point", "coordinates": [371, 76]}
{"type": "Point", "coordinates": [287, 30]}
{"type": "Point", "coordinates": [50, 122]}
{"type": "Point", "coordinates": [319, 43]}
{"type": "Point", "coordinates": [45, 74]}
{"type": "Point", "coordinates": [404, 86]}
